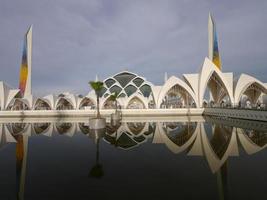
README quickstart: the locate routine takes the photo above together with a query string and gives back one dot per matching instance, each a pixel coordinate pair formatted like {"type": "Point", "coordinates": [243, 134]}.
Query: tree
{"type": "Point", "coordinates": [114, 97]}
{"type": "Point", "coordinates": [97, 87]}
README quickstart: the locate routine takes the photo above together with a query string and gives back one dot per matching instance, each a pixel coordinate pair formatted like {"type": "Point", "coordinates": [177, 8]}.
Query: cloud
{"type": "Point", "coordinates": [75, 40]}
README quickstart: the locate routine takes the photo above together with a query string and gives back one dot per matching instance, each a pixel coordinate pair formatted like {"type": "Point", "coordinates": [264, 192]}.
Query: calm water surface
{"type": "Point", "coordinates": [136, 159]}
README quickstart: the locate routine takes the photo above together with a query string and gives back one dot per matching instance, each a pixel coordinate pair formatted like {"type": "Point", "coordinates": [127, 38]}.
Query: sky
{"type": "Point", "coordinates": [73, 40]}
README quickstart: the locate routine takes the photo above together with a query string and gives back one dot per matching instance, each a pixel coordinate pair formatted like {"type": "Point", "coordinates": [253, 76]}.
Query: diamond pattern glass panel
{"type": "Point", "coordinates": [138, 81]}
{"type": "Point", "coordinates": [115, 88]}
{"type": "Point", "coordinates": [130, 89]}
{"type": "Point", "coordinates": [109, 82]}
{"type": "Point", "coordinates": [124, 78]}
{"type": "Point", "coordinates": [146, 90]}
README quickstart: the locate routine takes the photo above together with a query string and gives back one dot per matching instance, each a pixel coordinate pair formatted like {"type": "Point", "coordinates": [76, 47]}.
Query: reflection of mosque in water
{"type": "Point", "coordinates": [215, 141]}
{"type": "Point", "coordinates": [129, 134]}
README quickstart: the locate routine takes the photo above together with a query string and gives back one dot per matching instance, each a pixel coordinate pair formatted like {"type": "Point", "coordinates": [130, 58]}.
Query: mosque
{"type": "Point", "coordinates": [210, 87]}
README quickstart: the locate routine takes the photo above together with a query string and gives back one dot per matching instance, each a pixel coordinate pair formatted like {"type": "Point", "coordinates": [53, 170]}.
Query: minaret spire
{"type": "Point", "coordinates": [165, 77]}
{"type": "Point", "coordinates": [214, 55]}
{"type": "Point", "coordinates": [25, 82]}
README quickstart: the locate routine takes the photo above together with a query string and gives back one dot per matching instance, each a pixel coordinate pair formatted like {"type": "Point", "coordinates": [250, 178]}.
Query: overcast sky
{"type": "Point", "coordinates": [73, 40]}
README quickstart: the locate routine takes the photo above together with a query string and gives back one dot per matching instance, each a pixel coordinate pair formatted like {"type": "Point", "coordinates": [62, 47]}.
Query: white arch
{"type": "Point", "coordinates": [82, 99]}
{"type": "Point", "coordinates": [174, 147]}
{"type": "Point", "coordinates": [172, 81]}
{"type": "Point", "coordinates": [35, 126]}
{"type": "Point", "coordinates": [51, 98]}
{"type": "Point", "coordinates": [5, 136]}
{"type": "Point", "coordinates": [206, 72]}
{"type": "Point", "coordinates": [249, 146]}
{"type": "Point", "coordinates": [73, 98]}
{"type": "Point", "coordinates": [24, 101]}
{"type": "Point", "coordinates": [214, 161]}
{"type": "Point", "coordinates": [44, 100]}
{"type": "Point", "coordinates": [6, 95]}
{"type": "Point", "coordinates": [139, 97]}
{"type": "Point", "coordinates": [26, 130]}
{"type": "Point", "coordinates": [192, 81]}
{"type": "Point", "coordinates": [91, 95]}
{"type": "Point", "coordinates": [49, 132]}
{"type": "Point", "coordinates": [121, 101]}
{"type": "Point", "coordinates": [242, 85]}
{"type": "Point", "coordinates": [102, 101]}
{"type": "Point", "coordinates": [67, 99]}
{"type": "Point", "coordinates": [197, 147]}
{"type": "Point", "coordinates": [70, 131]}
{"type": "Point", "coordinates": [81, 127]}
{"type": "Point", "coordinates": [144, 129]}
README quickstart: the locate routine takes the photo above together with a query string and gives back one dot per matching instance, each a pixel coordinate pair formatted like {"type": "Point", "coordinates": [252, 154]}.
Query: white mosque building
{"type": "Point", "coordinates": [209, 87]}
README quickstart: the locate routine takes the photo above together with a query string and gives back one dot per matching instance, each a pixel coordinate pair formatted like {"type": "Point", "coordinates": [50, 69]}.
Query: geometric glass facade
{"type": "Point", "coordinates": [126, 84]}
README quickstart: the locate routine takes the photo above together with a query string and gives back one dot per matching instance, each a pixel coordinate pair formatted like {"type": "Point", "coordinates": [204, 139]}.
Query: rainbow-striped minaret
{"type": "Point", "coordinates": [214, 55]}
{"type": "Point", "coordinates": [25, 84]}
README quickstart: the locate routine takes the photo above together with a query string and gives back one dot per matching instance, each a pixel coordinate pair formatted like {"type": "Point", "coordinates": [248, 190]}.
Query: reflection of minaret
{"type": "Point", "coordinates": [222, 181]}
{"type": "Point", "coordinates": [21, 162]}
{"type": "Point", "coordinates": [214, 55]}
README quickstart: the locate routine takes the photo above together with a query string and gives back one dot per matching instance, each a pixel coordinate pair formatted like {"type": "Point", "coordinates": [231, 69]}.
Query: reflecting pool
{"type": "Point", "coordinates": [138, 158]}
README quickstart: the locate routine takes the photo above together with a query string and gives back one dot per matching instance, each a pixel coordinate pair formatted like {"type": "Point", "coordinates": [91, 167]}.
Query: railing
{"type": "Point", "coordinates": [261, 107]}
{"type": "Point", "coordinates": [236, 112]}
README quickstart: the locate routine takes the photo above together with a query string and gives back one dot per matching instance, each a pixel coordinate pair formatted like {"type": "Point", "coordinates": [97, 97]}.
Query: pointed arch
{"type": "Point", "coordinates": [136, 102]}
{"type": "Point", "coordinates": [136, 127]}
{"type": "Point", "coordinates": [108, 104]}
{"type": "Point", "coordinates": [64, 104]}
{"type": "Point", "coordinates": [42, 104]}
{"type": "Point", "coordinates": [251, 140]}
{"type": "Point", "coordinates": [64, 128]}
{"type": "Point", "coordinates": [18, 104]}
{"type": "Point", "coordinates": [228, 148]}
{"type": "Point", "coordinates": [40, 128]}
{"type": "Point", "coordinates": [51, 99]}
{"type": "Point", "coordinates": [5, 136]}
{"type": "Point", "coordinates": [182, 87]}
{"type": "Point", "coordinates": [250, 86]}
{"type": "Point", "coordinates": [7, 94]}
{"type": "Point", "coordinates": [177, 136]}
{"type": "Point", "coordinates": [87, 103]}
{"type": "Point", "coordinates": [83, 128]}
{"type": "Point", "coordinates": [17, 128]}
{"type": "Point", "coordinates": [224, 80]}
